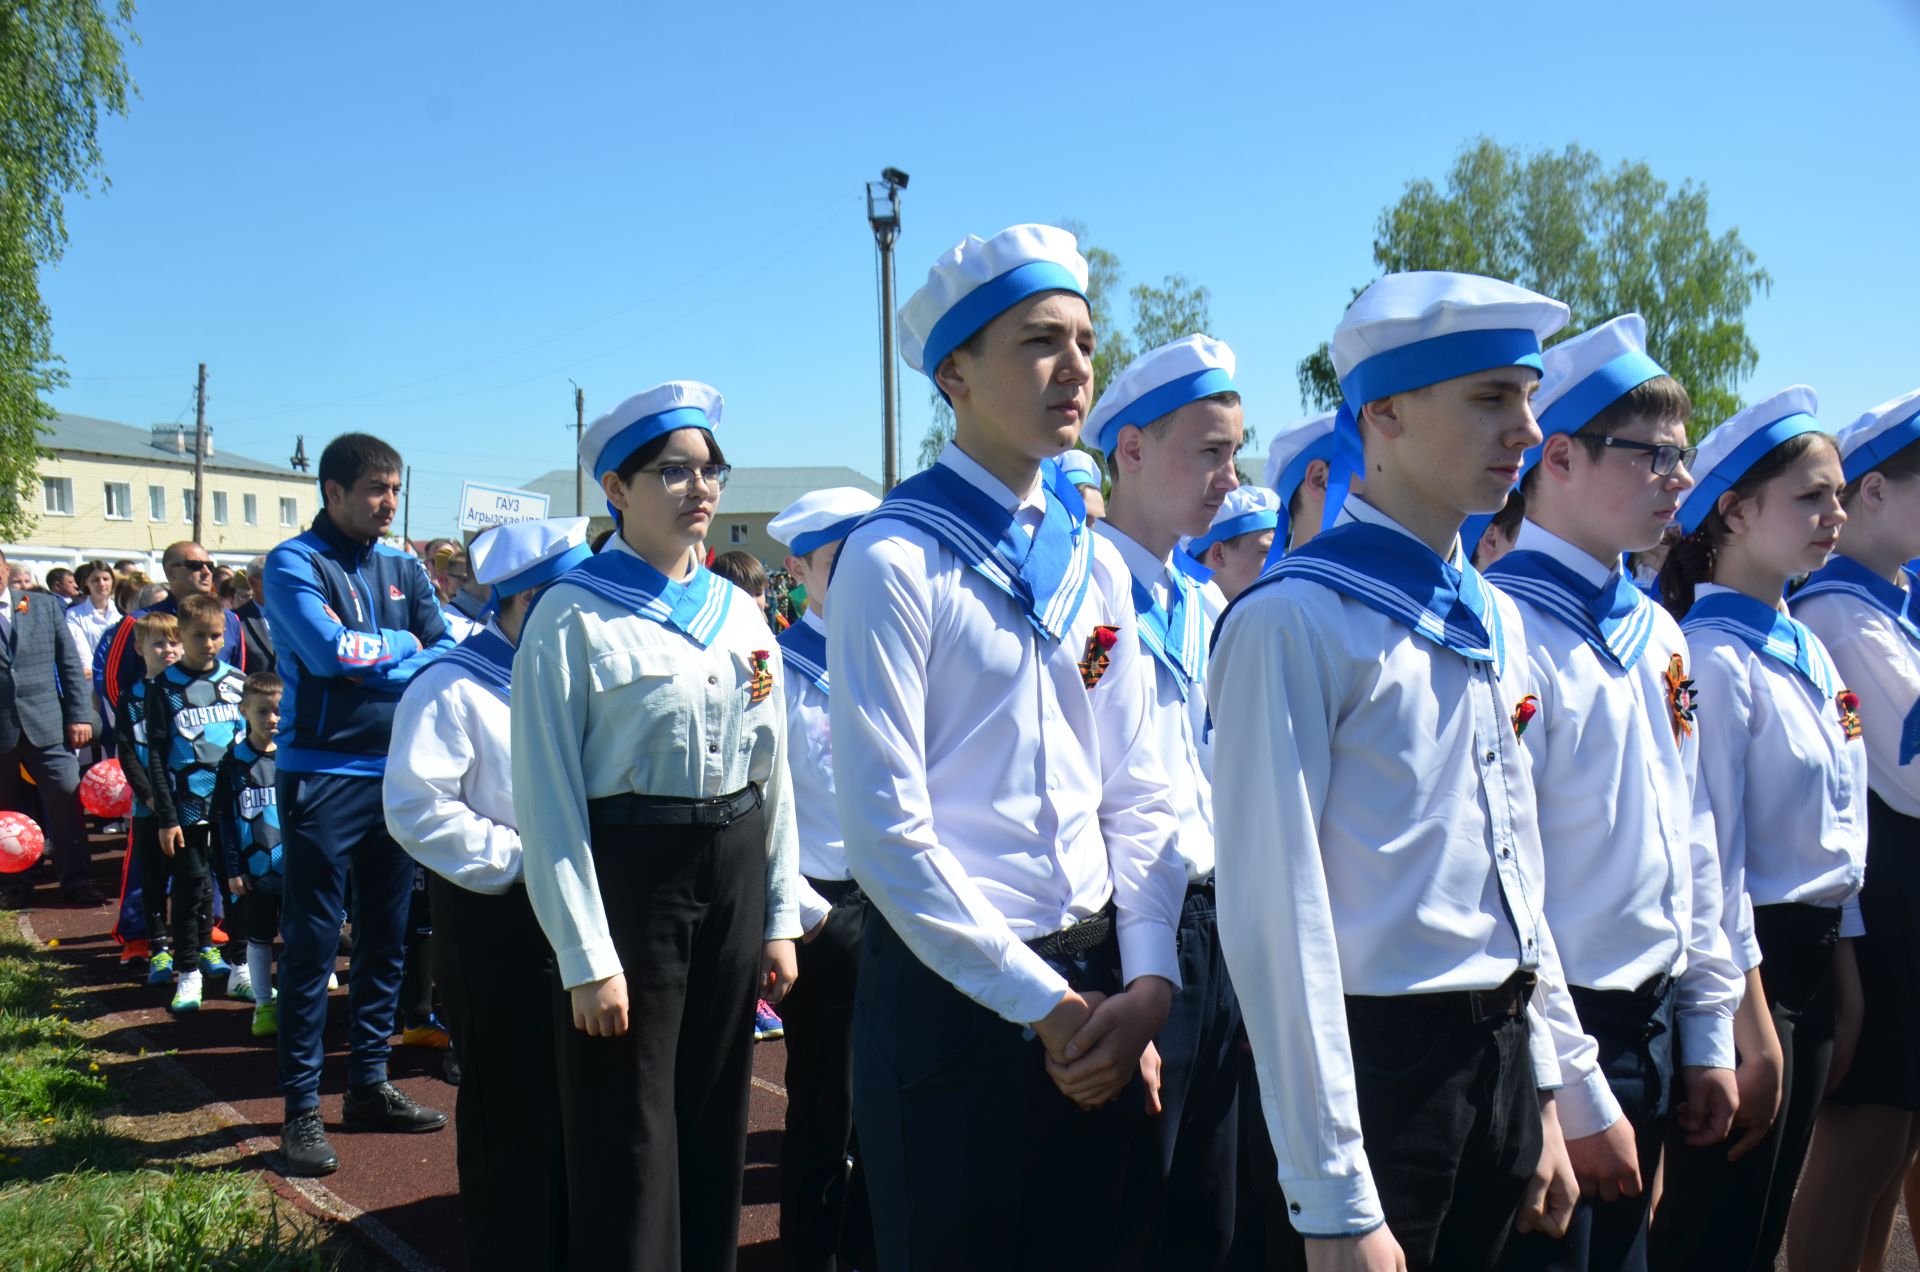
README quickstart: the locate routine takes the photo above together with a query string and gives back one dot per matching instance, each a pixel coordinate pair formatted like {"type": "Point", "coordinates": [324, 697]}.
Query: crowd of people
{"type": "Point", "coordinates": [1483, 845]}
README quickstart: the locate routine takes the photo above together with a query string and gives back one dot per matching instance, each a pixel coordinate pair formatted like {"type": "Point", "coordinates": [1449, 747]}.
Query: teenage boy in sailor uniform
{"type": "Point", "coordinates": [1372, 802]}
{"type": "Point", "coordinates": [1235, 547]}
{"type": "Point", "coordinates": [1002, 810]}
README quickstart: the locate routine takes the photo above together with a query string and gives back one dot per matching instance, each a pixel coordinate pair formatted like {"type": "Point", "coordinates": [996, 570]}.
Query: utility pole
{"type": "Point", "coordinates": [199, 449]}
{"type": "Point", "coordinates": [579, 478]}
{"type": "Point", "coordinates": [406, 509]}
{"type": "Point", "coordinates": [883, 214]}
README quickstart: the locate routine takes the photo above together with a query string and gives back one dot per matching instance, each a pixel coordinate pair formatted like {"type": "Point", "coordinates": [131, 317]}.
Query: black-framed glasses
{"type": "Point", "coordinates": [677, 478]}
{"type": "Point", "coordinates": [196, 564]}
{"type": "Point", "coordinates": [1666, 457]}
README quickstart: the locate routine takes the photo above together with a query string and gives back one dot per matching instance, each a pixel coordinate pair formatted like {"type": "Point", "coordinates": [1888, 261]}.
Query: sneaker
{"type": "Point", "coordinates": [433, 1034]}
{"type": "Point", "coordinates": [213, 962]}
{"type": "Point", "coordinates": [135, 949]}
{"type": "Point", "coordinates": [304, 1147]}
{"type": "Point", "coordinates": [186, 994]}
{"type": "Point", "coordinates": [240, 984]}
{"type": "Point", "coordinates": [266, 1019]}
{"type": "Point", "coordinates": [387, 1108]}
{"type": "Point", "coordinates": [766, 1022]}
{"type": "Point", "coordinates": [160, 968]}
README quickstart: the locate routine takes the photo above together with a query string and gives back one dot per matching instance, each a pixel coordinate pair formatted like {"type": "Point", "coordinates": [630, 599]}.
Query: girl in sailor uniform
{"type": "Point", "coordinates": [1786, 773]}
{"type": "Point", "coordinates": [650, 785]}
{"type": "Point", "coordinates": [1861, 605]}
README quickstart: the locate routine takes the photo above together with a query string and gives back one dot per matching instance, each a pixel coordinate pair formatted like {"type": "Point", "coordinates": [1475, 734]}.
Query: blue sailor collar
{"type": "Point", "coordinates": [973, 515]}
{"type": "Point", "coordinates": [696, 608]}
{"type": "Point", "coordinates": [1766, 631]}
{"type": "Point", "coordinates": [1370, 558]}
{"type": "Point", "coordinates": [803, 648]}
{"type": "Point", "coordinates": [1846, 575]}
{"type": "Point", "coordinates": [487, 656]}
{"type": "Point", "coordinates": [1604, 607]}
{"type": "Point", "coordinates": [1173, 632]}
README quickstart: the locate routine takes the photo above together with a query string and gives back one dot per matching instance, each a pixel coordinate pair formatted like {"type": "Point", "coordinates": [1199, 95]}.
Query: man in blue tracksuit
{"type": "Point", "coordinates": [352, 620]}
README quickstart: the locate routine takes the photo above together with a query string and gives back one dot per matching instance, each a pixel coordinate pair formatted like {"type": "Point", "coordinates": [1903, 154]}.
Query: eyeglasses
{"type": "Point", "coordinates": [677, 478]}
{"type": "Point", "coordinates": [195, 564]}
{"type": "Point", "coordinates": [1666, 458]}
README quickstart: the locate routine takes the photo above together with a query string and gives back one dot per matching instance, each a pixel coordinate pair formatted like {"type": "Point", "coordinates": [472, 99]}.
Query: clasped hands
{"type": "Point", "coordinates": [1096, 1042]}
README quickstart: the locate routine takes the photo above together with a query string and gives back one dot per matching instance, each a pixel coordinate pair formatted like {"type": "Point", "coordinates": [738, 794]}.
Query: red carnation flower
{"type": "Point", "coordinates": [1107, 637]}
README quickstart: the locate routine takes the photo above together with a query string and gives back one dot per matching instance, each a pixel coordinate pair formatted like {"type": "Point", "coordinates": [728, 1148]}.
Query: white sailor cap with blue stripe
{"type": "Point", "coordinates": [520, 555]}
{"type": "Point", "coordinates": [1880, 434]}
{"type": "Point", "coordinates": [820, 517]}
{"type": "Point", "coordinates": [1293, 449]}
{"type": "Point", "coordinates": [665, 408]}
{"type": "Point", "coordinates": [977, 280]}
{"type": "Point", "coordinates": [1583, 376]}
{"type": "Point", "coordinates": [1743, 441]}
{"type": "Point", "coordinates": [1081, 468]}
{"type": "Point", "coordinates": [1245, 510]}
{"type": "Point", "coordinates": [1160, 382]}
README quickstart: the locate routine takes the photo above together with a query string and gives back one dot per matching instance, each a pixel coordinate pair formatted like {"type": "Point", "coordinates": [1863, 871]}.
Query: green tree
{"type": "Point", "coordinates": [62, 67]}
{"type": "Point", "coordinates": [1606, 242]}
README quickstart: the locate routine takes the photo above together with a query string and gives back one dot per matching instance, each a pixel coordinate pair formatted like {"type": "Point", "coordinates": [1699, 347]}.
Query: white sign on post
{"type": "Point", "coordinates": [484, 507]}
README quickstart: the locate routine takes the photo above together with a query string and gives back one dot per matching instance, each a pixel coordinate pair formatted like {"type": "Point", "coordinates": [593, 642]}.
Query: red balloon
{"type": "Point", "coordinates": [104, 791]}
{"type": "Point", "coordinates": [21, 843]}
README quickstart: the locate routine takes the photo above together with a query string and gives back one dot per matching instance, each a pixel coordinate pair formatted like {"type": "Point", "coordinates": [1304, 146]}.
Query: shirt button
{"type": "Point", "coordinates": [1491, 757]}
{"type": "Point", "coordinates": [713, 748]}
{"type": "Point", "coordinates": [713, 680]}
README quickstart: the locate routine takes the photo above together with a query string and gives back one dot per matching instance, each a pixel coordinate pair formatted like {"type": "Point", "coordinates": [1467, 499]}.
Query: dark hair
{"type": "Point", "coordinates": [600, 540]}
{"type": "Point", "coordinates": [90, 568]}
{"type": "Point", "coordinates": [201, 608]}
{"type": "Point", "coordinates": [1661, 398]}
{"type": "Point", "coordinates": [57, 573]}
{"type": "Point", "coordinates": [651, 451]}
{"type": "Point", "coordinates": [743, 570]}
{"type": "Point", "coordinates": [228, 588]}
{"type": "Point", "coordinates": [260, 684]}
{"type": "Point", "coordinates": [1512, 513]}
{"type": "Point", "coordinates": [351, 456]}
{"type": "Point", "coordinates": [1902, 465]}
{"type": "Point", "coordinates": [1690, 561]}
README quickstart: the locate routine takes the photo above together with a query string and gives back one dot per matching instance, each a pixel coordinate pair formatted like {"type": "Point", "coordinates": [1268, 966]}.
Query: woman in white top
{"type": "Point", "coordinates": [93, 616]}
{"type": "Point", "coordinates": [656, 822]}
{"type": "Point", "coordinates": [1782, 762]}
{"type": "Point", "coordinates": [1862, 606]}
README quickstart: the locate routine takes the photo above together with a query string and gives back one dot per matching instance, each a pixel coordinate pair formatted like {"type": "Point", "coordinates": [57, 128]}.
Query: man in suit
{"type": "Point", "coordinates": [44, 716]}
{"type": "Point", "coordinates": [254, 630]}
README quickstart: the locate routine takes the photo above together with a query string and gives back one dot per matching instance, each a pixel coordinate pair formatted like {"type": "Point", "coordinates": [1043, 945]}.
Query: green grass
{"type": "Point", "coordinates": [75, 1197]}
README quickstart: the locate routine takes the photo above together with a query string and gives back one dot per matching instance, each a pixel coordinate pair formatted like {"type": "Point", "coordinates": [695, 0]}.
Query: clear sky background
{"type": "Point", "coordinates": [422, 219]}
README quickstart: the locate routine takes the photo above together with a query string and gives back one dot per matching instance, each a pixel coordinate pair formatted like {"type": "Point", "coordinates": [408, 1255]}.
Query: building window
{"type": "Point", "coordinates": [156, 503]}
{"type": "Point", "coordinates": [736, 533]}
{"type": "Point", "coordinates": [219, 507]}
{"type": "Point", "coordinates": [250, 509]}
{"type": "Point", "coordinates": [186, 505]}
{"type": "Point", "coordinates": [57, 495]}
{"type": "Point", "coordinates": [289, 512]}
{"type": "Point", "coordinates": [119, 501]}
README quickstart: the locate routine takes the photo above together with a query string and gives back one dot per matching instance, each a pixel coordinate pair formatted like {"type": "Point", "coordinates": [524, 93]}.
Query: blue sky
{"type": "Point", "coordinates": [423, 219]}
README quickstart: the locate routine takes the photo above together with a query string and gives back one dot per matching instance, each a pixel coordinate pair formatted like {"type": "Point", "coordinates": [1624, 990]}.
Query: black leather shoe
{"type": "Point", "coordinates": [304, 1147]}
{"type": "Point", "coordinates": [450, 1067]}
{"type": "Point", "coordinates": [83, 894]}
{"type": "Point", "coordinates": [387, 1108]}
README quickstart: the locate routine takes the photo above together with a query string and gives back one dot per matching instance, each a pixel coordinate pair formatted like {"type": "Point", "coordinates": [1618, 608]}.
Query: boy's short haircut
{"type": "Point", "coordinates": [743, 570]}
{"type": "Point", "coordinates": [155, 626]}
{"type": "Point", "coordinates": [351, 456]}
{"type": "Point", "coordinates": [262, 684]}
{"type": "Point", "coordinates": [201, 608]}
{"type": "Point", "coordinates": [1158, 429]}
{"type": "Point", "coordinates": [1661, 398]}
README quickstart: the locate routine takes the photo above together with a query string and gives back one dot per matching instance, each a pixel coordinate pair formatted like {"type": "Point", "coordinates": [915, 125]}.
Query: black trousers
{"type": "Point", "coordinates": [1635, 1033]}
{"type": "Point", "coordinates": [655, 1121]}
{"type": "Point", "coordinates": [1194, 1145]}
{"type": "Point", "coordinates": [1451, 1120]}
{"type": "Point", "coordinates": [179, 882]}
{"type": "Point", "coordinates": [1733, 1215]}
{"type": "Point", "coordinates": [56, 780]}
{"type": "Point", "coordinates": [416, 974]}
{"type": "Point", "coordinates": [496, 976]}
{"type": "Point", "coordinates": [823, 1205]}
{"type": "Point", "coordinates": [974, 1158]}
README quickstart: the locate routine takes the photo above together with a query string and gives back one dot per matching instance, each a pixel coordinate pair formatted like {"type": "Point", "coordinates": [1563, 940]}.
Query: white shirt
{"type": "Point", "coordinates": [1879, 662]}
{"type": "Point", "coordinates": [605, 703]}
{"type": "Point", "coordinates": [1176, 722]}
{"type": "Point", "coordinates": [1020, 801]}
{"type": "Point", "coordinates": [823, 850]}
{"type": "Point", "coordinates": [1364, 781]}
{"type": "Point", "coordinates": [1788, 789]}
{"type": "Point", "coordinates": [89, 625]}
{"type": "Point", "coordinates": [1633, 869]}
{"type": "Point", "coordinates": [448, 788]}
{"type": "Point", "coordinates": [458, 624]}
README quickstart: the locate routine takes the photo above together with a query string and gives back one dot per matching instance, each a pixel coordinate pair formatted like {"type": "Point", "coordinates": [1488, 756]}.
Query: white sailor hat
{"type": "Point", "coordinates": [613, 438]}
{"type": "Point", "coordinates": [1878, 435]}
{"type": "Point", "coordinates": [1737, 445]}
{"type": "Point", "coordinates": [1245, 510]}
{"type": "Point", "coordinates": [1080, 467]}
{"type": "Point", "coordinates": [1160, 382]}
{"type": "Point", "coordinates": [1294, 448]}
{"type": "Point", "coordinates": [519, 555]}
{"type": "Point", "coordinates": [821, 517]}
{"type": "Point", "coordinates": [977, 280]}
{"type": "Point", "coordinates": [1581, 377]}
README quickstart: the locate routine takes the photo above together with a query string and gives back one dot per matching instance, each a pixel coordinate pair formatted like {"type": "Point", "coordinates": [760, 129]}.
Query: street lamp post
{"type": "Point", "coordinates": [883, 214]}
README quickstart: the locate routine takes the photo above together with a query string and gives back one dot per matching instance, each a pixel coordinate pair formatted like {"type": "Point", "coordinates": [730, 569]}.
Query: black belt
{"type": "Point", "coordinates": [1503, 1002]}
{"type": "Point", "coordinates": [834, 891]}
{"type": "Point", "coordinates": [615, 811]}
{"type": "Point", "coordinates": [1082, 936]}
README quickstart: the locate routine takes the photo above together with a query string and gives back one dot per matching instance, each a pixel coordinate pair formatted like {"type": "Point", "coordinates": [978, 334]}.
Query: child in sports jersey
{"type": "Point", "coordinates": [248, 814]}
